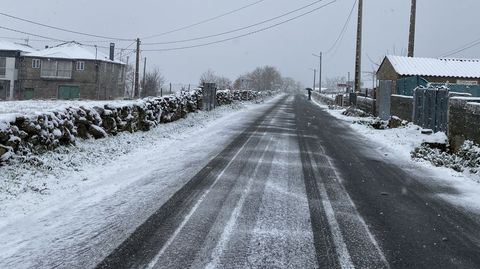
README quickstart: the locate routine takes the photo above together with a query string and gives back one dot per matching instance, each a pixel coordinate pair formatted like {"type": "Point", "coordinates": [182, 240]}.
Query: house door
{"type": "Point", "coordinates": [3, 90]}
{"type": "Point", "coordinates": [68, 92]}
{"type": "Point", "coordinates": [383, 99]}
{"type": "Point", "coordinates": [28, 94]}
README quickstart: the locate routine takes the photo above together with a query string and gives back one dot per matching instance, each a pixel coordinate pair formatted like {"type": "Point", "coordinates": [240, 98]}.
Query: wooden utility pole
{"type": "Point", "coordinates": [411, 39]}
{"type": "Point", "coordinates": [358, 58]}
{"type": "Point", "coordinates": [144, 74]}
{"type": "Point", "coordinates": [320, 74]}
{"type": "Point", "coordinates": [136, 91]}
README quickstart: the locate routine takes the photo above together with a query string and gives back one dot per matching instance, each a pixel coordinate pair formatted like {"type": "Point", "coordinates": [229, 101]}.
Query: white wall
{"type": "Point", "coordinates": [11, 74]}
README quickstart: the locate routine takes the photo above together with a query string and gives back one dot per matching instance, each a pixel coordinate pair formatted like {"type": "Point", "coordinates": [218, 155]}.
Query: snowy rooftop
{"type": "Point", "coordinates": [11, 46]}
{"type": "Point", "coordinates": [461, 68]}
{"type": "Point", "coordinates": [72, 50]}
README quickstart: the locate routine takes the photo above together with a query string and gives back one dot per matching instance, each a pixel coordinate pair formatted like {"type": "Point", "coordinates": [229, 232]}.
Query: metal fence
{"type": "Point", "coordinates": [430, 108]}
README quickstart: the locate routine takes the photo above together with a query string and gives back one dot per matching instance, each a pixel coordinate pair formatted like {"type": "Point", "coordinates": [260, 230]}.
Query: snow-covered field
{"type": "Point", "coordinates": [63, 209]}
{"type": "Point", "coordinates": [397, 144]}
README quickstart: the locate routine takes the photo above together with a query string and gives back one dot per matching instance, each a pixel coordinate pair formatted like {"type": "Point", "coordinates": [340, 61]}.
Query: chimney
{"type": "Point", "coordinates": [112, 51]}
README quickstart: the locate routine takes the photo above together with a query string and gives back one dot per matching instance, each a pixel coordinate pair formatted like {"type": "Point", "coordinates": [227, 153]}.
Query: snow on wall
{"type": "Point", "coordinates": [24, 134]}
{"type": "Point", "coordinates": [463, 121]}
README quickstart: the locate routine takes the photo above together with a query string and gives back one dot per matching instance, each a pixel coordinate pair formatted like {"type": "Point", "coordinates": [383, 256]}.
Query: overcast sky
{"type": "Point", "coordinates": [442, 25]}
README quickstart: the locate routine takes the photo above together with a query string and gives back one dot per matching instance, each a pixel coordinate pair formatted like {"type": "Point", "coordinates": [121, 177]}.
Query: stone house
{"type": "Point", "coordinates": [10, 54]}
{"type": "Point", "coordinates": [68, 71]}
{"type": "Point", "coordinates": [406, 73]}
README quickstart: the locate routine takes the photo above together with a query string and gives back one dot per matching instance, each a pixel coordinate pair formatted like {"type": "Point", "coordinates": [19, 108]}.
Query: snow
{"type": "Point", "coordinates": [395, 145]}
{"type": "Point", "coordinates": [63, 207]}
{"type": "Point", "coordinates": [4, 124]}
{"type": "Point", "coordinates": [465, 98]}
{"type": "Point", "coordinates": [9, 109]}
{"type": "Point", "coordinates": [11, 46]}
{"type": "Point", "coordinates": [414, 66]}
{"type": "Point", "coordinates": [71, 50]}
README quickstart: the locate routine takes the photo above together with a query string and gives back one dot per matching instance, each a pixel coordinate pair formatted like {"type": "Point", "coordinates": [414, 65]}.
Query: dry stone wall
{"type": "Point", "coordinates": [25, 135]}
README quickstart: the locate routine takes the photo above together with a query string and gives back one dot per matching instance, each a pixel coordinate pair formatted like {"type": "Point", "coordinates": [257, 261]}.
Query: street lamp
{"type": "Point", "coordinates": [319, 71]}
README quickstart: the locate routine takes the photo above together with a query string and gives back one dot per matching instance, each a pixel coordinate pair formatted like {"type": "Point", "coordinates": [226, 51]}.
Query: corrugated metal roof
{"type": "Point", "coordinates": [432, 67]}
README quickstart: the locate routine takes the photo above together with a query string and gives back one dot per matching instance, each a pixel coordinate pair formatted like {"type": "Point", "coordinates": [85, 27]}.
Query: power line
{"type": "Point", "coordinates": [63, 29]}
{"type": "Point", "coordinates": [462, 48]}
{"type": "Point", "coordinates": [236, 30]}
{"type": "Point", "coordinates": [204, 21]}
{"type": "Point", "coordinates": [26, 33]}
{"type": "Point", "coordinates": [54, 39]}
{"type": "Point", "coordinates": [342, 32]}
{"type": "Point", "coordinates": [247, 34]}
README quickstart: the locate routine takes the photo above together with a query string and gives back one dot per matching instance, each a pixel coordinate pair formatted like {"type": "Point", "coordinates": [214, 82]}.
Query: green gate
{"type": "Point", "coordinates": [28, 94]}
{"type": "Point", "coordinates": [67, 92]}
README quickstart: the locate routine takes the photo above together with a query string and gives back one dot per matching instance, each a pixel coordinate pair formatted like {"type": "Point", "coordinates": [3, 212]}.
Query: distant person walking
{"type": "Point", "coordinates": [309, 93]}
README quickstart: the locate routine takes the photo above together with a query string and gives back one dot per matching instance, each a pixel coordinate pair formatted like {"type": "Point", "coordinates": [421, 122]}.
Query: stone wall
{"type": "Point", "coordinates": [463, 121]}
{"type": "Point", "coordinates": [325, 99]}
{"type": "Point", "coordinates": [366, 104]}
{"type": "Point", "coordinates": [23, 135]}
{"type": "Point", "coordinates": [402, 107]}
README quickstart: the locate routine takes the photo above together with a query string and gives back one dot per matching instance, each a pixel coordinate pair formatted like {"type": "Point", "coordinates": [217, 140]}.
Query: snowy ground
{"type": "Point", "coordinates": [397, 144]}
{"type": "Point", "coordinates": [68, 202]}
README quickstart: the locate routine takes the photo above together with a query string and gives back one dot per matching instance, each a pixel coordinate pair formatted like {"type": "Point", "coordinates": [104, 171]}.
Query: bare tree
{"type": "Point", "coordinates": [154, 80]}
{"type": "Point", "coordinates": [129, 81]}
{"type": "Point", "coordinates": [221, 82]}
{"type": "Point", "coordinates": [265, 79]}
{"type": "Point", "coordinates": [289, 85]}
{"type": "Point", "coordinates": [208, 77]}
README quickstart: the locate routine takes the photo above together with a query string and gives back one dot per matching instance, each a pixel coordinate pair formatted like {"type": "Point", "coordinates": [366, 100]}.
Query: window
{"type": "Point", "coordinates": [36, 63]}
{"type": "Point", "coordinates": [56, 69]}
{"type": "Point", "coordinates": [49, 68]}
{"type": "Point", "coordinates": [80, 65]}
{"type": "Point", "coordinates": [3, 66]}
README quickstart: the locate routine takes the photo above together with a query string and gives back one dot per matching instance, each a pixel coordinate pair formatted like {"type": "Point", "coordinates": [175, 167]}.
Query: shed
{"type": "Point", "coordinates": [406, 73]}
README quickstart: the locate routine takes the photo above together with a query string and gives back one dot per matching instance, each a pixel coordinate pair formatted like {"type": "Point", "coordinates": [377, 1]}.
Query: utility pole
{"type": "Point", "coordinates": [320, 74]}
{"type": "Point", "coordinates": [348, 82]}
{"type": "Point", "coordinates": [144, 74]}
{"type": "Point", "coordinates": [125, 72]}
{"type": "Point", "coordinates": [411, 39]}
{"type": "Point", "coordinates": [319, 71]}
{"type": "Point", "coordinates": [137, 72]}
{"type": "Point", "coordinates": [314, 78]}
{"type": "Point", "coordinates": [358, 59]}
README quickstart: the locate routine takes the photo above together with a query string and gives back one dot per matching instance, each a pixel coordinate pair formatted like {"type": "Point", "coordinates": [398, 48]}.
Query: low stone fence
{"type": "Point", "coordinates": [463, 120]}
{"type": "Point", "coordinates": [23, 135]}
{"type": "Point", "coordinates": [366, 104]}
{"type": "Point", "coordinates": [402, 107]}
{"type": "Point", "coordinates": [325, 99]}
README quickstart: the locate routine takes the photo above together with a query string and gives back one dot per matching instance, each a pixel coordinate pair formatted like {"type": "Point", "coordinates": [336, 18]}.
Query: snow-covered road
{"type": "Point", "coordinates": [100, 191]}
{"type": "Point", "coordinates": [279, 185]}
